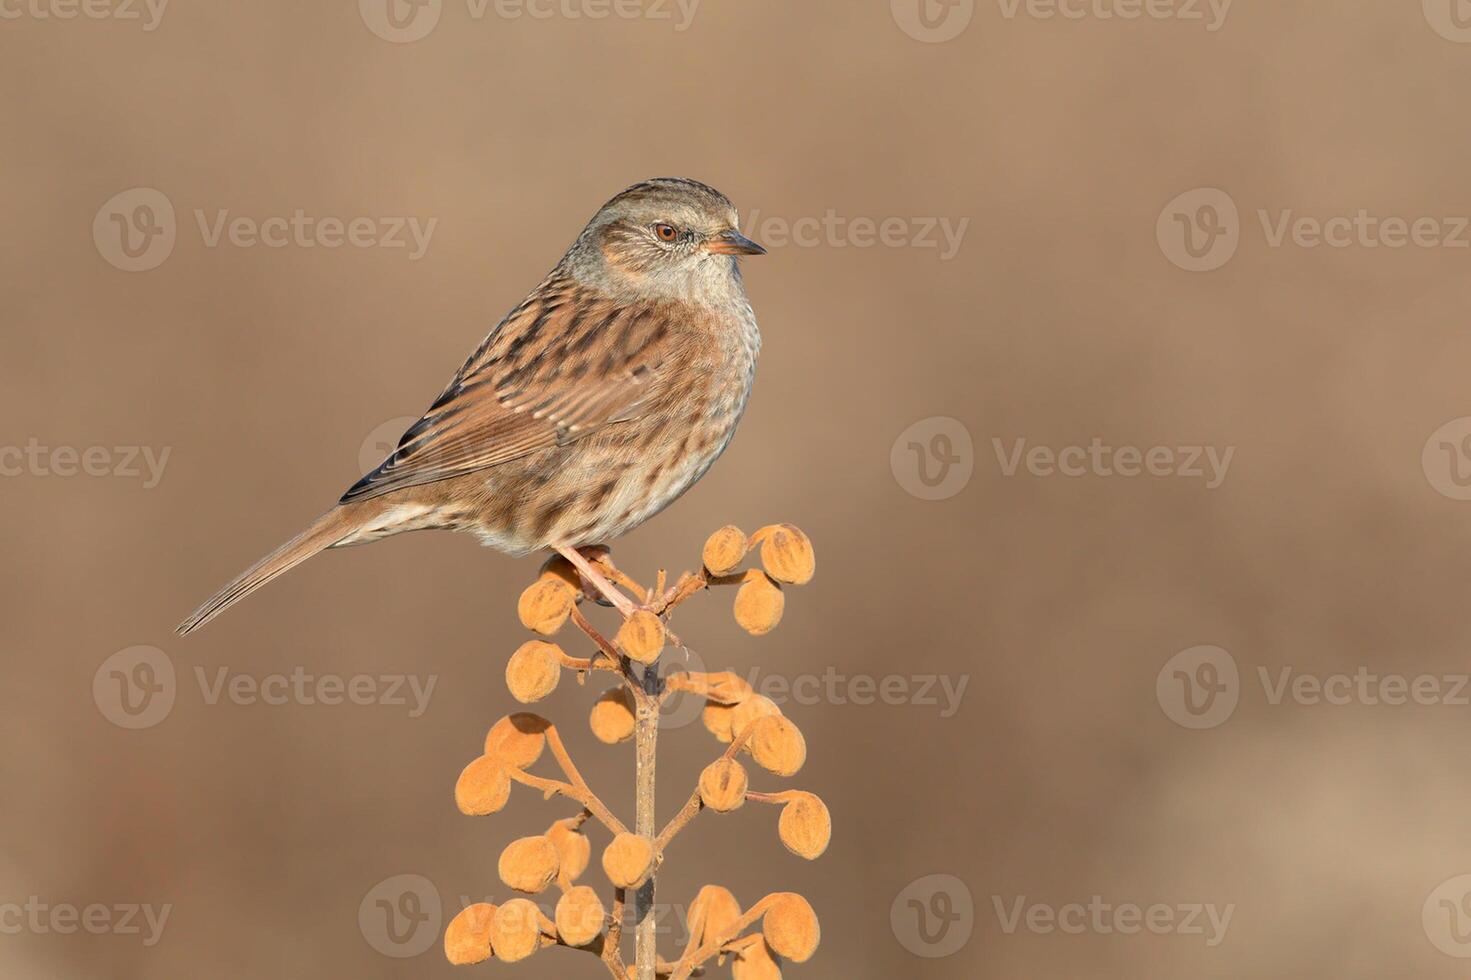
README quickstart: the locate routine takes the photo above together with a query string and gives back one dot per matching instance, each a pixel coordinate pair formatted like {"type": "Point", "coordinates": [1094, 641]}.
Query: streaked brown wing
{"type": "Point", "coordinates": [559, 366]}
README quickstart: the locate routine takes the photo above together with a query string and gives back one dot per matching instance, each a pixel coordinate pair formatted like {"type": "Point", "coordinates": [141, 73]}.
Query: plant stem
{"type": "Point", "coordinates": [646, 735]}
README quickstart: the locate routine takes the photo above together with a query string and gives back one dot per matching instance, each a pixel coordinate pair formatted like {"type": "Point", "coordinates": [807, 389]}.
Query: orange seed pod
{"type": "Point", "coordinates": [778, 746]}
{"type": "Point", "coordinates": [724, 550]}
{"type": "Point", "coordinates": [722, 913]}
{"type": "Point", "coordinates": [612, 716]}
{"type": "Point", "coordinates": [579, 916]}
{"type": "Point", "coordinates": [805, 826]}
{"type": "Point", "coordinates": [545, 605]}
{"type": "Point", "coordinates": [529, 864]}
{"type": "Point", "coordinates": [517, 740]}
{"type": "Point", "coordinates": [791, 928]}
{"type": "Point", "coordinates": [788, 556]}
{"type": "Point", "coordinates": [483, 787]}
{"type": "Point", "coordinates": [723, 785]}
{"type": "Point", "coordinates": [758, 603]}
{"type": "Point", "coordinates": [560, 568]}
{"type": "Point", "coordinates": [628, 860]}
{"type": "Point", "coordinates": [750, 711]}
{"type": "Point", "coordinates": [755, 963]}
{"type": "Point", "coordinates": [467, 937]}
{"type": "Point", "coordinates": [533, 670]}
{"type": "Point", "coordinates": [718, 719]}
{"type": "Point", "coordinates": [574, 850]}
{"type": "Point", "coordinates": [515, 932]}
{"type": "Point", "coordinates": [727, 687]}
{"type": "Point", "coordinates": [641, 637]}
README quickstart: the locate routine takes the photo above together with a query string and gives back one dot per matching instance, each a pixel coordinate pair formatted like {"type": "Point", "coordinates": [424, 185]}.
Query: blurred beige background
{"type": "Point", "coordinates": [1334, 542]}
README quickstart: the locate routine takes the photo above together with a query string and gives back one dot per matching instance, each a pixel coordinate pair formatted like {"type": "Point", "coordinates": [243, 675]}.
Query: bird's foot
{"type": "Point", "coordinates": [595, 583]}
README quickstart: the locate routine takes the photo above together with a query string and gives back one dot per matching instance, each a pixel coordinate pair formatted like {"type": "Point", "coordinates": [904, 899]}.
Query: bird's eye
{"type": "Point", "coordinates": [666, 232]}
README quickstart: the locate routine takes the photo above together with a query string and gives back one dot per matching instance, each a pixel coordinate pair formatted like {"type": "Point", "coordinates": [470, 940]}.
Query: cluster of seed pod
{"type": "Point", "coordinates": [749, 724]}
{"type": "Point", "coordinates": [530, 865]}
{"type": "Point", "coordinates": [753, 725]}
{"type": "Point", "coordinates": [786, 557]}
{"type": "Point", "coordinates": [789, 932]}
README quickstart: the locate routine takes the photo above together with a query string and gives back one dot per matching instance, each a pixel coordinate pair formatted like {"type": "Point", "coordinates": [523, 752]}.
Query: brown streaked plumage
{"type": "Point", "coordinates": [594, 404]}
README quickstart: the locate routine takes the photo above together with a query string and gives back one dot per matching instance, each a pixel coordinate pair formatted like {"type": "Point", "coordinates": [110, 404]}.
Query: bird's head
{"type": "Point", "coordinates": [669, 236]}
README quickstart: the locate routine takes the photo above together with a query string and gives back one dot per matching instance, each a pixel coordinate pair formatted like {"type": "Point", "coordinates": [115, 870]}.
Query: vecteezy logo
{"type": "Point", "coordinates": [382, 441]}
{"type": "Point", "coordinates": [687, 708]}
{"type": "Point", "coordinates": [933, 21]}
{"type": "Point", "coordinates": [135, 230]}
{"type": "Point", "coordinates": [1199, 687]}
{"type": "Point", "coordinates": [1199, 230]}
{"type": "Point", "coordinates": [933, 916]}
{"type": "Point", "coordinates": [1446, 916]}
{"type": "Point", "coordinates": [134, 688]}
{"type": "Point", "coordinates": [1446, 459]}
{"type": "Point", "coordinates": [400, 916]}
{"type": "Point", "coordinates": [1451, 19]}
{"type": "Point", "coordinates": [933, 459]}
{"type": "Point", "coordinates": [401, 21]}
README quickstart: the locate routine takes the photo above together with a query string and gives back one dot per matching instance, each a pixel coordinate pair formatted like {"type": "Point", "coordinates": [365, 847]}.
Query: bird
{"type": "Point", "coordinates": [596, 402]}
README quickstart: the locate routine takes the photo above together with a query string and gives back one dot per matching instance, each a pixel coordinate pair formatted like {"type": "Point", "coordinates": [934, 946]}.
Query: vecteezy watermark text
{"type": "Point", "coordinates": [309, 231]}
{"type": "Point", "coordinates": [303, 688]}
{"type": "Point", "coordinates": [928, 691]}
{"type": "Point", "coordinates": [145, 463]}
{"type": "Point", "coordinates": [681, 13]}
{"type": "Point", "coordinates": [936, 21]}
{"type": "Point", "coordinates": [833, 230]}
{"type": "Point", "coordinates": [136, 230]}
{"type": "Point", "coordinates": [137, 687]}
{"type": "Point", "coordinates": [148, 12]}
{"type": "Point", "coordinates": [406, 21]}
{"type": "Point", "coordinates": [1201, 229]}
{"type": "Point", "coordinates": [943, 691]}
{"type": "Point", "coordinates": [64, 919]}
{"type": "Point", "coordinates": [1201, 687]}
{"type": "Point", "coordinates": [1105, 918]}
{"type": "Point", "coordinates": [1212, 13]}
{"type": "Point", "coordinates": [1207, 463]}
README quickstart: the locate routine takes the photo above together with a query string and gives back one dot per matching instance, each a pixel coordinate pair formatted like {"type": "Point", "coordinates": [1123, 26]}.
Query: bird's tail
{"type": "Point", "coordinates": [323, 533]}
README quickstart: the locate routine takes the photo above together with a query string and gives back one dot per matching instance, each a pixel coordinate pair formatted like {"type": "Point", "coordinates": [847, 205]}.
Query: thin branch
{"type": "Point", "coordinates": [699, 683]}
{"type": "Point", "coordinates": [559, 752]}
{"type": "Point", "coordinates": [742, 944]}
{"type": "Point", "coordinates": [555, 787]}
{"type": "Point", "coordinates": [593, 634]}
{"type": "Point", "coordinates": [695, 804]}
{"type": "Point", "coordinates": [606, 648]}
{"type": "Point", "coordinates": [598, 947]}
{"type": "Point", "coordinates": [696, 926]}
{"type": "Point", "coordinates": [688, 584]}
{"type": "Point", "coordinates": [625, 580]}
{"type": "Point", "coordinates": [679, 821]}
{"type": "Point", "coordinates": [613, 939]}
{"type": "Point", "coordinates": [692, 959]}
{"type": "Point", "coordinates": [606, 950]}
{"type": "Point", "coordinates": [646, 735]}
{"type": "Point", "coordinates": [597, 662]}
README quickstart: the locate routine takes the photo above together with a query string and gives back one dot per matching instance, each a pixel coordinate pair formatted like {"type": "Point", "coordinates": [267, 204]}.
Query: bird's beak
{"type": "Point", "coordinates": [733, 242]}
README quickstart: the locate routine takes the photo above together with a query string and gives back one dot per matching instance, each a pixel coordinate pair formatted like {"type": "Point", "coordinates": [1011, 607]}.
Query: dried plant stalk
{"type": "Point", "coordinates": [736, 715]}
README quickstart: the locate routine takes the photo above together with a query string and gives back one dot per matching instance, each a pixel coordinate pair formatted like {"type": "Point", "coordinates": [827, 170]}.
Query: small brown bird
{"type": "Point", "coordinates": [594, 404]}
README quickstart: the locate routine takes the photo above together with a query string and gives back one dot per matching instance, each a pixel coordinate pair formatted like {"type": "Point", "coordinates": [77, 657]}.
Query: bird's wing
{"type": "Point", "coordinates": [561, 365]}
